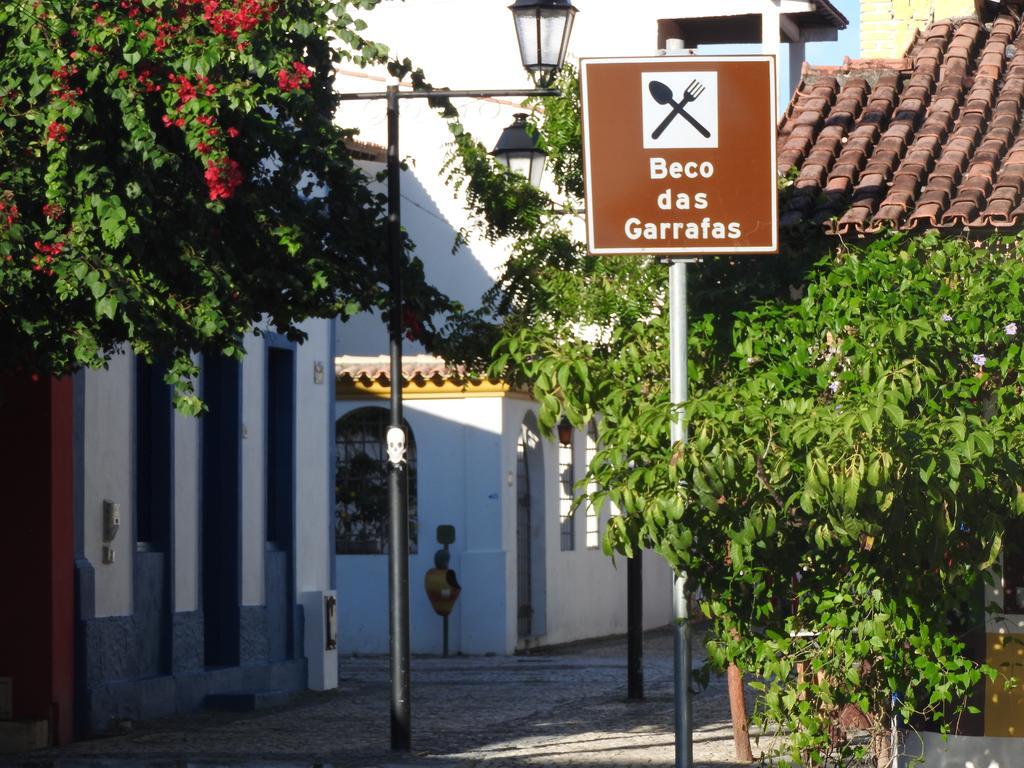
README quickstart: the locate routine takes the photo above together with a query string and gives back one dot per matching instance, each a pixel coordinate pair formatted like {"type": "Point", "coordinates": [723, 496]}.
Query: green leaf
{"type": "Point", "coordinates": [895, 414]}
{"type": "Point", "coordinates": [106, 307]}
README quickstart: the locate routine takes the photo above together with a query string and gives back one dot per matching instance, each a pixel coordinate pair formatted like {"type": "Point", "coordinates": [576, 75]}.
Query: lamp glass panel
{"type": "Point", "coordinates": [519, 162]}
{"type": "Point", "coordinates": [537, 169]}
{"type": "Point", "coordinates": [526, 32]}
{"type": "Point", "coordinates": [552, 26]}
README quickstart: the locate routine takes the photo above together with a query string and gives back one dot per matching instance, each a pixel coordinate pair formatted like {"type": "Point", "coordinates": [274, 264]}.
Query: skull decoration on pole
{"type": "Point", "coordinates": [396, 445]}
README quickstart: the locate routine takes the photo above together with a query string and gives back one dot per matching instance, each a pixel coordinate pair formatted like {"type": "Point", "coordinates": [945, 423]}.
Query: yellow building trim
{"type": "Point", "coordinates": [434, 388]}
{"type": "Point", "coordinates": [1004, 709]}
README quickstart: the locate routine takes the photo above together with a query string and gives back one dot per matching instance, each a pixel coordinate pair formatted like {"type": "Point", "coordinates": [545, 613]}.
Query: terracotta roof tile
{"type": "Point", "coordinates": [378, 368]}
{"type": "Point", "coordinates": [934, 139]}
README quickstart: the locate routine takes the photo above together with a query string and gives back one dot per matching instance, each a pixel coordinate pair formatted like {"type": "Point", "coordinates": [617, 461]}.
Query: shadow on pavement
{"type": "Point", "coordinates": [563, 708]}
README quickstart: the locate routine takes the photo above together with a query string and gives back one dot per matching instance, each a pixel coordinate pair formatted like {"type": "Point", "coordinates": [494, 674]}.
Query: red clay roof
{"type": "Point", "coordinates": [931, 140]}
{"type": "Point", "coordinates": [378, 368]}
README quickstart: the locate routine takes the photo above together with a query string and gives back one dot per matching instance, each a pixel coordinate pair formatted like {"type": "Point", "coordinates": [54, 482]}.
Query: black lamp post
{"type": "Point", "coordinates": [519, 150]}
{"type": "Point", "coordinates": [543, 53]}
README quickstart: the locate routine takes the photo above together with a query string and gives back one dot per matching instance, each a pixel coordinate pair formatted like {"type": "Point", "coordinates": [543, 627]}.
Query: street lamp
{"type": "Point", "coordinates": [519, 150]}
{"type": "Point", "coordinates": [543, 45]}
{"type": "Point", "coordinates": [543, 28]}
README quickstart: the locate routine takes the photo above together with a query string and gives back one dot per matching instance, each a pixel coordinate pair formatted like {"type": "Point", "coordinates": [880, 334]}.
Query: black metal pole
{"type": "Point", "coordinates": [635, 626]}
{"type": "Point", "coordinates": [444, 652]}
{"type": "Point", "coordinates": [398, 533]}
{"type": "Point", "coordinates": [447, 93]}
{"type": "Point", "coordinates": [398, 500]}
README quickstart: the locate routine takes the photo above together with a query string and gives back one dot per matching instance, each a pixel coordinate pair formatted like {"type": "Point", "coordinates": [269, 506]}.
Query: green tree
{"type": "Point", "coordinates": [171, 173]}
{"type": "Point", "coordinates": [855, 451]}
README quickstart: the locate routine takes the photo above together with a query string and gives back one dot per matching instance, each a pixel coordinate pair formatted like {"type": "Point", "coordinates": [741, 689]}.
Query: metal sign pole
{"type": "Point", "coordinates": [398, 502]}
{"type": "Point", "coordinates": [658, 184]}
{"type": "Point", "coordinates": [679, 384]}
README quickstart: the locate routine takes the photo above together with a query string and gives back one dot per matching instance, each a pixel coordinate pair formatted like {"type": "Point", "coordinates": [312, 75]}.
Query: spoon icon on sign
{"type": "Point", "coordinates": [663, 95]}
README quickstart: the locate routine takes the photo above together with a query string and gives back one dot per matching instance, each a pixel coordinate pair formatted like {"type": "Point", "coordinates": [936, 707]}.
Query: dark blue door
{"type": "Point", "coordinates": [221, 491]}
{"type": "Point", "coordinates": [280, 501]}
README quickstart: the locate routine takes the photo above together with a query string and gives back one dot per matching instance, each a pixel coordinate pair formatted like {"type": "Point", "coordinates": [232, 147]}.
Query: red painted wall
{"type": "Point", "coordinates": [62, 554]}
{"type": "Point", "coordinates": [36, 548]}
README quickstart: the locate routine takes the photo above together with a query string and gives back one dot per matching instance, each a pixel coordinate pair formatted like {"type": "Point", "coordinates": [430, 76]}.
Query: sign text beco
{"type": "Point", "coordinates": [679, 154]}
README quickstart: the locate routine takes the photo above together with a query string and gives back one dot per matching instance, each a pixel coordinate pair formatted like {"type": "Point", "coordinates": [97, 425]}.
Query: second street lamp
{"type": "Point", "coordinates": [519, 151]}
{"type": "Point", "coordinates": [550, 51]}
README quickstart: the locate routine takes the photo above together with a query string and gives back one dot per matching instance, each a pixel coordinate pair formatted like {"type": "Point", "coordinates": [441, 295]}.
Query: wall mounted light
{"type": "Point", "coordinates": [565, 432]}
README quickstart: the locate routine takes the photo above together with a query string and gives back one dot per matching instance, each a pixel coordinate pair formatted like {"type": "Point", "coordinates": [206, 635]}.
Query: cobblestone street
{"type": "Point", "coordinates": [562, 707]}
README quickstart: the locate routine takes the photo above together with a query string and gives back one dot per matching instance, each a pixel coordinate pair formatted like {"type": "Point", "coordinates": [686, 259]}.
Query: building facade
{"type": "Point", "coordinates": [528, 560]}
{"type": "Point", "coordinates": [191, 556]}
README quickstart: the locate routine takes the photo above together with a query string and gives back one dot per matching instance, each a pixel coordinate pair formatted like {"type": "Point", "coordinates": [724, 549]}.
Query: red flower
{"type": "Point", "coordinates": [8, 211]}
{"type": "Point", "coordinates": [186, 91]}
{"type": "Point", "coordinates": [411, 323]}
{"type": "Point", "coordinates": [57, 132]}
{"type": "Point", "coordinates": [222, 178]}
{"type": "Point", "coordinates": [297, 78]}
{"type": "Point", "coordinates": [229, 21]}
{"type": "Point", "coordinates": [232, 132]}
{"type": "Point", "coordinates": [48, 250]}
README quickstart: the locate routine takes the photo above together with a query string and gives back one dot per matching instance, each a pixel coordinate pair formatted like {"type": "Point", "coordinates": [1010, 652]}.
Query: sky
{"type": "Point", "coordinates": [848, 43]}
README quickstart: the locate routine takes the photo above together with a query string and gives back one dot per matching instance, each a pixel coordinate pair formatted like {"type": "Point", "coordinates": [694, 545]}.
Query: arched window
{"type": "Point", "coordinates": [361, 483]}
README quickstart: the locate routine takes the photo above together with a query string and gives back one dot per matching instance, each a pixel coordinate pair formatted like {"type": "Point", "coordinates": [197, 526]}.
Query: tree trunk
{"type": "Point", "coordinates": [883, 749]}
{"type": "Point", "coordinates": [738, 707]}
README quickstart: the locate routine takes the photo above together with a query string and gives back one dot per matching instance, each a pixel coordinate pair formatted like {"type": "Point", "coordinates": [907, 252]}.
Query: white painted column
{"type": "Point", "coordinates": [797, 54]}
{"type": "Point", "coordinates": [771, 36]}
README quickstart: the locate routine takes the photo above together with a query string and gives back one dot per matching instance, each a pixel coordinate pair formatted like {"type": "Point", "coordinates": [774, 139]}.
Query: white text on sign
{"type": "Point", "coordinates": [670, 199]}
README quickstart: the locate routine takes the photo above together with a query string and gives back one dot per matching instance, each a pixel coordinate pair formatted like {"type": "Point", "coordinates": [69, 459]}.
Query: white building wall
{"type": "Point", "coordinates": [457, 454]}
{"type": "Point", "coordinates": [254, 466]}
{"type": "Point", "coordinates": [108, 465]}
{"type": "Point", "coordinates": [186, 513]}
{"type": "Point", "coordinates": [466, 467]}
{"type": "Point", "coordinates": [585, 593]}
{"type": "Point", "coordinates": [314, 476]}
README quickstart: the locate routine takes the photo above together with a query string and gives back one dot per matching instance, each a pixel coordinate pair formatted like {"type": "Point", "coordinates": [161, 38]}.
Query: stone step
{"type": "Point", "coordinates": [23, 735]}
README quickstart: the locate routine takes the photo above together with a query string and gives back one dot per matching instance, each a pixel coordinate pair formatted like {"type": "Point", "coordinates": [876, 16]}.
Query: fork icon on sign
{"type": "Point", "coordinates": [663, 95]}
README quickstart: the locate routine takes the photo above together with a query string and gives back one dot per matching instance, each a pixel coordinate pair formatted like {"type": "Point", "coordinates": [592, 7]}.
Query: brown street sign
{"type": "Point", "coordinates": [679, 154]}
